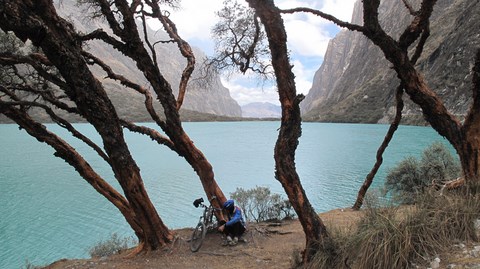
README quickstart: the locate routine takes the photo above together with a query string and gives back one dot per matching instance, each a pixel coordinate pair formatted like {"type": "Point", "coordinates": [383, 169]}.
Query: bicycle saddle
{"type": "Point", "coordinates": [197, 202]}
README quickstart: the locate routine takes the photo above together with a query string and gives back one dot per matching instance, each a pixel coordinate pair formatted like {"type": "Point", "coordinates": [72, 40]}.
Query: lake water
{"type": "Point", "coordinates": [49, 212]}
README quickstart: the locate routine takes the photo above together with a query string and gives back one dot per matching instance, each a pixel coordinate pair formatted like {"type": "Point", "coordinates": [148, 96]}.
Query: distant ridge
{"type": "Point", "coordinates": [261, 110]}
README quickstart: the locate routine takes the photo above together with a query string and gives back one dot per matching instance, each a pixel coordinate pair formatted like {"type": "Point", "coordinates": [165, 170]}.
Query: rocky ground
{"type": "Point", "coordinates": [269, 246]}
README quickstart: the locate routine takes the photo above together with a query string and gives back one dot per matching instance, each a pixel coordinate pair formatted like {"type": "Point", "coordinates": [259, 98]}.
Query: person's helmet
{"type": "Point", "coordinates": [229, 205]}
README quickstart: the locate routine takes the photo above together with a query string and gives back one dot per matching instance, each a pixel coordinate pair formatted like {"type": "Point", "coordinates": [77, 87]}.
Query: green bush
{"type": "Point", "coordinates": [114, 245]}
{"type": "Point", "coordinates": [259, 204]}
{"type": "Point", "coordinates": [437, 163]}
{"type": "Point", "coordinates": [412, 176]}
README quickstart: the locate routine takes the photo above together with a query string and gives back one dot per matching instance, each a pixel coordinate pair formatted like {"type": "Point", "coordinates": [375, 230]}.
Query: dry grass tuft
{"type": "Point", "coordinates": [399, 237]}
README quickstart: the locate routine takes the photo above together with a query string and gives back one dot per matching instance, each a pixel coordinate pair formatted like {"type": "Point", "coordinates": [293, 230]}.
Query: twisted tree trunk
{"type": "Point", "coordinates": [463, 137]}
{"type": "Point", "coordinates": [290, 130]}
{"type": "Point", "coordinates": [38, 22]}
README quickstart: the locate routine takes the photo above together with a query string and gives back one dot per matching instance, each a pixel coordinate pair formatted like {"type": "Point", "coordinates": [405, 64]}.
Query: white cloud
{"type": "Point", "coordinates": [194, 20]}
{"type": "Point", "coordinates": [309, 34]}
{"type": "Point", "coordinates": [342, 9]}
{"type": "Point", "coordinates": [249, 94]}
{"type": "Point", "coordinates": [308, 37]}
{"type": "Point", "coordinates": [285, 4]}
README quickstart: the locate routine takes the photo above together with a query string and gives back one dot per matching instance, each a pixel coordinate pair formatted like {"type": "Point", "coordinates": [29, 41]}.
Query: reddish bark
{"type": "Point", "coordinates": [463, 137]}
{"type": "Point", "coordinates": [66, 152]}
{"type": "Point", "coordinates": [469, 143]}
{"type": "Point", "coordinates": [62, 47]}
{"type": "Point", "coordinates": [38, 21]}
{"type": "Point", "coordinates": [379, 158]}
{"type": "Point", "coordinates": [290, 130]}
{"type": "Point", "coordinates": [133, 47]}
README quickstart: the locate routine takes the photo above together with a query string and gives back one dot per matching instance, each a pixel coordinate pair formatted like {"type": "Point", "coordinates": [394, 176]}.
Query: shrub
{"type": "Point", "coordinates": [402, 237]}
{"type": "Point", "coordinates": [407, 237]}
{"type": "Point", "coordinates": [412, 176]}
{"type": "Point", "coordinates": [259, 204]}
{"type": "Point", "coordinates": [113, 245]}
{"type": "Point", "coordinates": [437, 163]}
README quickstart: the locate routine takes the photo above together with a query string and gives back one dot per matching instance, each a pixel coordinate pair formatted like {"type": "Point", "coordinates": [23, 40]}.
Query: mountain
{"type": "Point", "coordinates": [212, 98]}
{"type": "Point", "coordinates": [356, 84]}
{"type": "Point", "coordinates": [261, 110]}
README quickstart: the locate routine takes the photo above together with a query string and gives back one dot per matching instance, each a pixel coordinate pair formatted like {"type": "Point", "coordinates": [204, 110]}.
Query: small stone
{"type": "Point", "coordinates": [475, 252]}
{"type": "Point", "coordinates": [435, 263]}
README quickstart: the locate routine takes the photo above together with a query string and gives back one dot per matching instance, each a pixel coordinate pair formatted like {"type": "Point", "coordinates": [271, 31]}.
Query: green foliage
{"type": "Point", "coordinates": [113, 245]}
{"type": "Point", "coordinates": [412, 176]}
{"type": "Point", "coordinates": [438, 163]}
{"type": "Point", "coordinates": [259, 204]}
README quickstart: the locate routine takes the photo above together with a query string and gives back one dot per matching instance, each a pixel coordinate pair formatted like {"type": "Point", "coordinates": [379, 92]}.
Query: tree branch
{"type": "Point", "coordinates": [152, 133]}
{"type": "Point", "coordinates": [57, 119]}
{"type": "Point", "coordinates": [36, 60]}
{"type": "Point", "coordinates": [124, 81]}
{"type": "Point", "coordinates": [410, 8]}
{"type": "Point", "coordinates": [418, 24]}
{"type": "Point", "coordinates": [379, 157]}
{"type": "Point", "coordinates": [184, 48]}
{"type": "Point", "coordinates": [421, 44]}
{"type": "Point", "coordinates": [71, 156]}
{"type": "Point", "coordinates": [102, 35]}
{"type": "Point", "coordinates": [147, 39]}
{"type": "Point", "coordinates": [326, 16]}
{"type": "Point", "coordinates": [473, 115]}
{"type": "Point", "coordinates": [433, 108]}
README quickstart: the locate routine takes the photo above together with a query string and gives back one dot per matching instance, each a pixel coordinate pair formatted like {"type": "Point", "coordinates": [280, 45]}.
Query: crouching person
{"type": "Point", "coordinates": [235, 227]}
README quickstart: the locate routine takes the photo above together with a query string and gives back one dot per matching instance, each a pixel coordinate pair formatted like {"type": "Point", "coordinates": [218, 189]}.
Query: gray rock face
{"type": "Point", "coordinates": [213, 98]}
{"type": "Point", "coordinates": [356, 84]}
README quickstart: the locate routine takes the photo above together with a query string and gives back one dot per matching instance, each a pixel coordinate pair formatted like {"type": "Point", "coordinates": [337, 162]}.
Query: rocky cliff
{"type": "Point", "coordinates": [356, 84]}
{"type": "Point", "coordinates": [213, 98]}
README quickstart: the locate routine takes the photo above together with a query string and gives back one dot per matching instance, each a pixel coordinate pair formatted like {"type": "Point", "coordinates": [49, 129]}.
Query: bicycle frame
{"type": "Point", "coordinates": [208, 213]}
{"type": "Point", "coordinates": [205, 223]}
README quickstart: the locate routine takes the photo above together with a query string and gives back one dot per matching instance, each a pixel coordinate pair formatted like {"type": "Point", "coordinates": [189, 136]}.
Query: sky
{"type": "Point", "coordinates": [308, 38]}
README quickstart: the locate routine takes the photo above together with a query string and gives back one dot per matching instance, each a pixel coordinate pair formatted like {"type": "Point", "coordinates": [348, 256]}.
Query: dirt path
{"type": "Point", "coordinates": [268, 246]}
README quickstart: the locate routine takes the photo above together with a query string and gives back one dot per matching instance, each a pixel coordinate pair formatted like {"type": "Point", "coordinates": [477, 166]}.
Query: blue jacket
{"type": "Point", "coordinates": [235, 217]}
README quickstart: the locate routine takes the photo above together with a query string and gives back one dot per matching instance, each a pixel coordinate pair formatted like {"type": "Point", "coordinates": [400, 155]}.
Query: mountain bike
{"type": "Point", "coordinates": [205, 223]}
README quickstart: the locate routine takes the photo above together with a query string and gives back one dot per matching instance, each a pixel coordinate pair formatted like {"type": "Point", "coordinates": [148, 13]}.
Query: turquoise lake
{"type": "Point", "coordinates": [49, 212]}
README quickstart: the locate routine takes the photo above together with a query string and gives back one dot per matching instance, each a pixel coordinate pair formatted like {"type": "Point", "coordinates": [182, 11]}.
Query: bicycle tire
{"type": "Point", "coordinates": [197, 237]}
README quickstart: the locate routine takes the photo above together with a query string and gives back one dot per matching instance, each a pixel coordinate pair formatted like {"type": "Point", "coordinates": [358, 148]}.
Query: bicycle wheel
{"type": "Point", "coordinates": [197, 237]}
